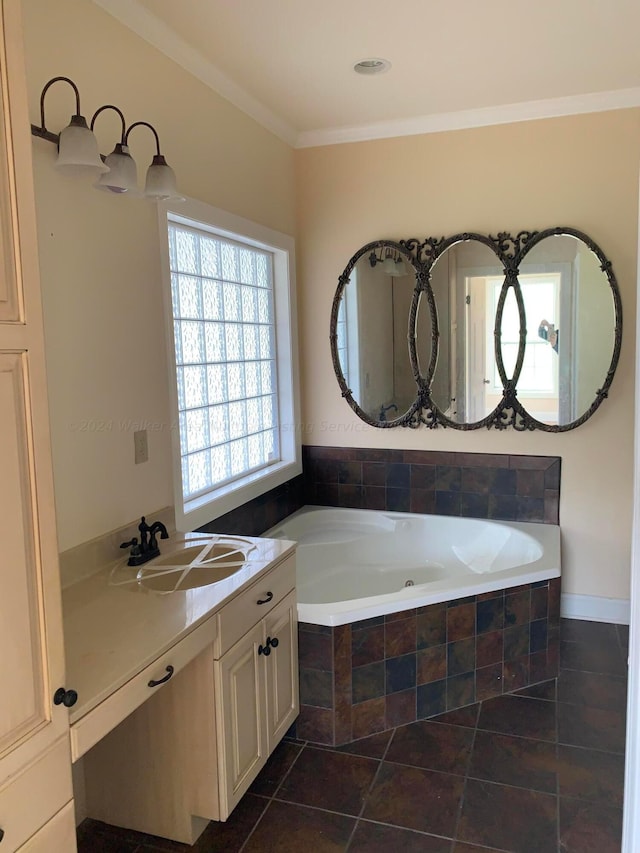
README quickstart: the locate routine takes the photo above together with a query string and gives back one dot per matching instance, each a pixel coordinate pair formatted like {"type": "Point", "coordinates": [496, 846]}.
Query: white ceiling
{"type": "Point", "coordinates": [455, 63]}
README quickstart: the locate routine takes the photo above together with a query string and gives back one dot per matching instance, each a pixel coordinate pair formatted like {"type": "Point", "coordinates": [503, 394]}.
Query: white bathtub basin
{"type": "Point", "coordinates": [356, 564]}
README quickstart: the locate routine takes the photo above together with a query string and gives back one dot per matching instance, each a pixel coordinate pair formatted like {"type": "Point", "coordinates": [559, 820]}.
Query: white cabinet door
{"type": "Point", "coordinates": [31, 663]}
{"type": "Point", "coordinates": [281, 627]}
{"type": "Point", "coordinates": [242, 742]}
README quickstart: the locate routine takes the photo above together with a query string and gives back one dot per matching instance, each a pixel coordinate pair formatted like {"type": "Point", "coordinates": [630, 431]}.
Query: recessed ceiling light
{"type": "Point", "coordinates": [372, 66]}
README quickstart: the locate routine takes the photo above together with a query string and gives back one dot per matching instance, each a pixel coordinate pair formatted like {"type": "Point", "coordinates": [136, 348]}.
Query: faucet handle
{"type": "Point", "coordinates": [133, 544]}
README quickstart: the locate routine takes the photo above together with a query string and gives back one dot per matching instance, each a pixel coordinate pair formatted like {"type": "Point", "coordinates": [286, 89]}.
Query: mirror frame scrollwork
{"type": "Point", "coordinates": [510, 251]}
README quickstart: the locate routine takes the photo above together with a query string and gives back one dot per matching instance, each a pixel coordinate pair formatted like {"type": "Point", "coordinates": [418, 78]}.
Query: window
{"type": "Point", "coordinates": [230, 322]}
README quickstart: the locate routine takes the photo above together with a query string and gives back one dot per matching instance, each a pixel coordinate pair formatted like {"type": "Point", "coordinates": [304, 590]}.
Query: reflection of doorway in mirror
{"type": "Point", "coordinates": [544, 386]}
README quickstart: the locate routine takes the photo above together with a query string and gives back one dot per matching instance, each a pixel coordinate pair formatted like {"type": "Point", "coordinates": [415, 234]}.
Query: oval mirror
{"type": "Point", "coordinates": [370, 333]}
{"type": "Point", "coordinates": [572, 309]}
{"type": "Point", "coordinates": [466, 279]}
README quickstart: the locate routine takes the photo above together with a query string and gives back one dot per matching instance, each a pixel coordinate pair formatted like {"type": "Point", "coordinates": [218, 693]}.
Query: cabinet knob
{"type": "Point", "coordinates": [273, 642]}
{"type": "Point", "coordinates": [1, 834]}
{"type": "Point", "coordinates": [264, 650]}
{"type": "Point", "coordinates": [265, 600]}
{"type": "Point", "coordinates": [68, 698]}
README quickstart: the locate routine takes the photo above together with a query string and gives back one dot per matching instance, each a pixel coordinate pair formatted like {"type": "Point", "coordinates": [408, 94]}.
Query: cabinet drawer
{"type": "Point", "coordinates": [243, 612]}
{"type": "Point", "coordinates": [32, 797]}
{"type": "Point", "coordinates": [88, 730]}
{"type": "Point", "coordinates": [58, 834]}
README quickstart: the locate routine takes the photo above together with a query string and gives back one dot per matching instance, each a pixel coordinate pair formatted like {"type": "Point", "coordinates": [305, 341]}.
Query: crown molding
{"type": "Point", "coordinates": [482, 117]}
{"type": "Point", "coordinates": [154, 31]}
{"type": "Point", "coordinates": [157, 33]}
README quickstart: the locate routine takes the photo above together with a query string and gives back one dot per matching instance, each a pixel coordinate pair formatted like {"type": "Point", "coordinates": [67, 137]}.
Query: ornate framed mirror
{"type": "Point", "coordinates": [474, 330]}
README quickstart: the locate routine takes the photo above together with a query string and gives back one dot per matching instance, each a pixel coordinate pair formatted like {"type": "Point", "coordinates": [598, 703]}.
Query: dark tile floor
{"type": "Point", "coordinates": [539, 771]}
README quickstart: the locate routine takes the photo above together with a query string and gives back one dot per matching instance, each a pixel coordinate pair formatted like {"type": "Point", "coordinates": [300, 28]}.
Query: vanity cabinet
{"type": "Point", "coordinates": [35, 777]}
{"type": "Point", "coordinates": [256, 693]}
{"type": "Point", "coordinates": [190, 751]}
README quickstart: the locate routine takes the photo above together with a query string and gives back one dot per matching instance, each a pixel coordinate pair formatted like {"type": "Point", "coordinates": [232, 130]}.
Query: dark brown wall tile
{"type": "Point", "coordinates": [367, 645]}
{"type": "Point", "coordinates": [489, 648]}
{"type": "Point", "coordinates": [489, 681]}
{"type": "Point", "coordinates": [315, 724]}
{"type": "Point", "coordinates": [461, 622]}
{"type": "Point", "coordinates": [423, 477]}
{"type": "Point", "coordinates": [368, 682]}
{"type": "Point", "coordinates": [315, 651]}
{"type": "Point", "coordinates": [540, 463]}
{"type": "Point", "coordinates": [316, 688]}
{"type": "Point", "coordinates": [432, 664]}
{"type": "Point", "coordinates": [516, 642]}
{"type": "Point", "coordinates": [368, 718]}
{"type": "Point", "coordinates": [423, 502]}
{"type": "Point", "coordinates": [477, 480]}
{"type": "Point", "coordinates": [400, 637]}
{"type": "Point", "coordinates": [373, 473]}
{"type": "Point", "coordinates": [448, 478]}
{"type": "Point", "coordinates": [516, 674]}
{"type": "Point", "coordinates": [431, 699]}
{"type": "Point", "coordinates": [350, 473]}
{"type": "Point", "coordinates": [539, 602]}
{"type": "Point", "coordinates": [482, 460]}
{"type": "Point", "coordinates": [431, 625]}
{"type": "Point", "coordinates": [517, 607]}
{"type": "Point", "coordinates": [342, 657]}
{"type": "Point", "coordinates": [530, 483]}
{"type": "Point", "coordinates": [400, 708]}
{"type": "Point", "coordinates": [461, 656]}
{"type": "Point", "coordinates": [461, 690]}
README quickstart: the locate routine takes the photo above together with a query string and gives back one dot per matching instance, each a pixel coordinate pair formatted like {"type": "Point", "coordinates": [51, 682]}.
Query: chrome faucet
{"type": "Point", "coordinates": [145, 550]}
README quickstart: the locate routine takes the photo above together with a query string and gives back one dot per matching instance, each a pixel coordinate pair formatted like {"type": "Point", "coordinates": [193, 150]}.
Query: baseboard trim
{"type": "Point", "coordinates": [594, 608]}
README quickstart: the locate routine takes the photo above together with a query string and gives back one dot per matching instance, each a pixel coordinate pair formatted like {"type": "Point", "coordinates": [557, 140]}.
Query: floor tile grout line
{"type": "Point", "coordinates": [370, 788]}
{"type": "Point", "coordinates": [288, 772]}
{"type": "Point", "coordinates": [466, 777]}
{"type": "Point", "coordinates": [255, 825]}
{"type": "Point", "coordinates": [270, 799]}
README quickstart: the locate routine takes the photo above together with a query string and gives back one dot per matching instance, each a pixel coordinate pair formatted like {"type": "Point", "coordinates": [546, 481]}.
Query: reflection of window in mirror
{"type": "Point", "coordinates": [347, 334]}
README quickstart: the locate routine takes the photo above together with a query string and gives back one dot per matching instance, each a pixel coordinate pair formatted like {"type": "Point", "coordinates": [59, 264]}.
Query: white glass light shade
{"type": "Point", "coordinates": [78, 148]}
{"type": "Point", "coordinates": [160, 184]}
{"type": "Point", "coordinates": [389, 266]}
{"type": "Point", "coordinates": [401, 269]}
{"type": "Point", "coordinates": [123, 175]}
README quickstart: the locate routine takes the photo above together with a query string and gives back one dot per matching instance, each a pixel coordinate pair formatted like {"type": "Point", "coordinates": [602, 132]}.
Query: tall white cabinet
{"type": "Point", "coordinates": [36, 809]}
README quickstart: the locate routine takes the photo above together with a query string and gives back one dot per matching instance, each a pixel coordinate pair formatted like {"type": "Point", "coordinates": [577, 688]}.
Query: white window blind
{"type": "Point", "coordinates": [225, 354]}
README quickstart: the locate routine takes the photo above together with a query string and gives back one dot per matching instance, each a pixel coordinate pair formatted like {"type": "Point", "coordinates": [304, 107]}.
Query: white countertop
{"type": "Point", "coordinates": [113, 632]}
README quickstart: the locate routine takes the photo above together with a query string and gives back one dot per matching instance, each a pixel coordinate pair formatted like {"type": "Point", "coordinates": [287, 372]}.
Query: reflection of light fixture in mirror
{"type": "Point", "coordinates": [392, 263]}
{"type": "Point", "coordinates": [78, 151]}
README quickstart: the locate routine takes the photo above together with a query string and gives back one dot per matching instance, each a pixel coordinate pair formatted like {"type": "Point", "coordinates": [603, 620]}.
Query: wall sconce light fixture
{"type": "Point", "coordinates": [78, 152]}
{"type": "Point", "coordinates": [392, 263]}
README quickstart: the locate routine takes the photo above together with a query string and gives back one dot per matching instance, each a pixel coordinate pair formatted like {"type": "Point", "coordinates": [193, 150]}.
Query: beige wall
{"type": "Point", "coordinates": [580, 171]}
{"type": "Point", "coordinates": [99, 254]}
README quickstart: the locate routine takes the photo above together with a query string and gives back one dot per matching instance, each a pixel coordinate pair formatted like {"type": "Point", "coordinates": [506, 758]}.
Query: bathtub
{"type": "Point", "coordinates": [358, 564]}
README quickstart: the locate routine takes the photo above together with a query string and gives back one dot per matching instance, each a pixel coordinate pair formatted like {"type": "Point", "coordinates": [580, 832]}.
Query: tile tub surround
{"type": "Point", "coordinates": [261, 513]}
{"type": "Point", "coordinates": [374, 675]}
{"type": "Point", "coordinates": [475, 485]}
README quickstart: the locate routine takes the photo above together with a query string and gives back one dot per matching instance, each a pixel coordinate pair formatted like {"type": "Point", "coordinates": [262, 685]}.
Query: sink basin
{"type": "Point", "coordinates": [205, 562]}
